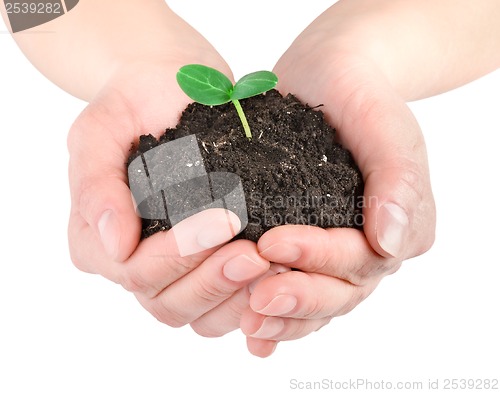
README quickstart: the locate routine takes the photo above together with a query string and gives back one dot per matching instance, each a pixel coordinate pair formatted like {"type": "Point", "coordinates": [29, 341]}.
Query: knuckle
{"type": "Point", "coordinates": [217, 324]}
{"type": "Point", "coordinates": [180, 266]}
{"type": "Point", "coordinates": [236, 306]}
{"type": "Point", "coordinates": [203, 329]}
{"type": "Point", "coordinates": [407, 178]}
{"type": "Point", "coordinates": [413, 181]}
{"type": "Point", "coordinates": [167, 316]}
{"type": "Point", "coordinates": [313, 308]}
{"type": "Point", "coordinates": [92, 195]}
{"type": "Point", "coordinates": [296, 330]}
{"type": "Point", "coordinates": [362, 276]}
{"type": "Point", "coordinates": [208, 292]}
{"type": "Point", "coordinates": [323, 260]}
{"type": "Point", "coordinates": [313, 305]}
{"type": "Point", "coordinates": [86, 192]}
{"type": "Point", "coordinates": [367, 272]}
{"type": "Point", "coordinates": [134, 282]}
{"type": "Point", "coordinates": [417, 185]}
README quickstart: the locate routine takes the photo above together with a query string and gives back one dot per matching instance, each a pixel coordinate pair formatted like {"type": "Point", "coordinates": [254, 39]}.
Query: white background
{"type": "Point", "coordinates": [66, 331]}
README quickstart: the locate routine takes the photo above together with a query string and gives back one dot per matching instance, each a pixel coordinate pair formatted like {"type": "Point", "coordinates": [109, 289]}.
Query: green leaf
{"type": "Point", "coordinates": [204, 84]}
{"type": "Point", "coordinates": [253, 84]}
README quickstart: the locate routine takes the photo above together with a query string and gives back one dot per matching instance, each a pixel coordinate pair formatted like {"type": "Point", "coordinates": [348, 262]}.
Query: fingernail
{"type": "Point", "coordinates": [282, 253]}
{"type": "Point", "coordinates": [205, 230]}
{"type": "Point", "coordinates": [392, 228]}
{"type": "Point", "coordinates": [280, 305]}
{"type": "Point", "coordinates": [242, 268]}
{"type": "Point", "coordinates": [219, 231]}
{"type": "Point", "coordinates": [109, 231]}
{"type": "Point", "coordinates": [270, 327]}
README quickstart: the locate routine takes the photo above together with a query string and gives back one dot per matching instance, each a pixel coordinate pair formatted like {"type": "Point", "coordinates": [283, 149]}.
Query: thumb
{"type": "Point", "coordinates": [395, 205]}
{"type": "Point", "coordinates": [103, 224]}
{"type": "Point", "coordinates": [398, 205]}
{"type": "Point", "coordinates": [374, 123]}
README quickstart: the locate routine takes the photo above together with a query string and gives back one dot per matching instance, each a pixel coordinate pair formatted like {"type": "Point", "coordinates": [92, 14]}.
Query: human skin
{"type": "Point", "coordinates": [125, 67]}
{"type": "Point", "coordinates": [361, 59]}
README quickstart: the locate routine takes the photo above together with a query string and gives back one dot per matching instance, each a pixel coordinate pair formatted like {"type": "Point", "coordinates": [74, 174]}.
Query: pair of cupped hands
{"type": "Point", "coordinates": [230, 285]}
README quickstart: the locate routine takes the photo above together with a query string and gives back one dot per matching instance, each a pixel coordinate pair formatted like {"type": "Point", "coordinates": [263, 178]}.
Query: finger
{"type": "Point", "coordinates": [398, 208]}
{"type": "Point", "coordinates": [279, 329]}
{"type": "Point", "coordinates": [165, 257]}
{"type": "Point", "coordinates": [307, 295]}
{"type": "Point", "coordinates": [338, 252]}
{"type": "Point", "coordinates": [401, 221]}
{"type": "Point", "coordinates": [100, 199]}
{"type": "Point", "coordinates": [99, 144]}
{"type": "Point", "coordinates": [376, 125]}
{"type": "Point", "coordinates": [226, 317]}
{"type": "Point", "coordinates": [222, 274]}
{"type": "Point", "coordinates": [92, 258]}
{"type": "Point", "coordinates": [261, 348]}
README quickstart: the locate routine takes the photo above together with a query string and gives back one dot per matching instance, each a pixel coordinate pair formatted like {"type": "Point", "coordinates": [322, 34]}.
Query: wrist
{"type": "Point", "coordinates": [421, 48]}
{"type": "Point", "coordinates": [99, 38]}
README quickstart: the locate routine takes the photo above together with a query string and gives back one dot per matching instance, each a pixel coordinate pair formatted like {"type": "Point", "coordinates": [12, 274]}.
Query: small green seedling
{"type": "Point", "coordinates": [211, 87]}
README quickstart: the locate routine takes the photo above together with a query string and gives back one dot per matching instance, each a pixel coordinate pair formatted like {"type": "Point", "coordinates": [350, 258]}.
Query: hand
{"type": "Point", "coordinates": [104, 231]}
{"type": "Point", "coordinates": [330, 64]}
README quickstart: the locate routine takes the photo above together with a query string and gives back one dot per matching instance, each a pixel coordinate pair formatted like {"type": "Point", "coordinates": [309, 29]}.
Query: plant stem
{"type": "Point", "coordinates": [243, 118]}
